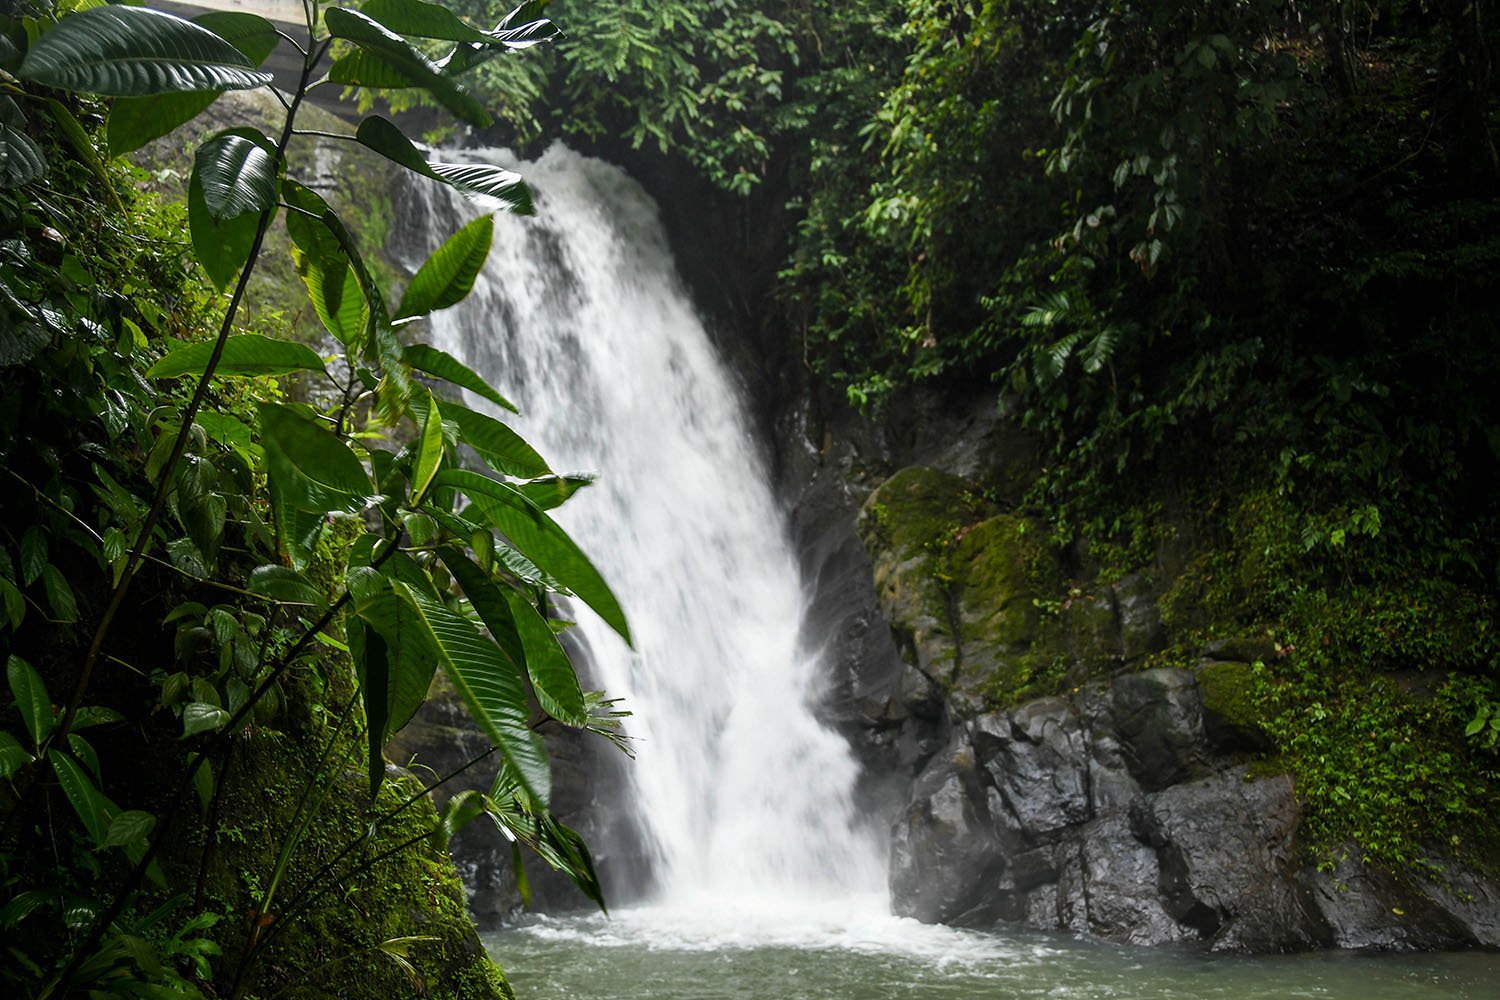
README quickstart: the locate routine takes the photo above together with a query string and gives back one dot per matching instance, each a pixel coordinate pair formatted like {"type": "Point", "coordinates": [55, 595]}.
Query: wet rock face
{"type": "Point", "coordinates": [1108, 813]}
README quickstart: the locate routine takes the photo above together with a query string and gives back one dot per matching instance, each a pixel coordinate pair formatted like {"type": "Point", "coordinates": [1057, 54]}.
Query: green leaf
{"type": "Point", "coordinates": [554, 490]}
{"type": "Point", "coordinates": [494, 182]}
{"type": "Point", "coordinates": [95, 715]}
{"type": "Point", "coordinates": [396, 655]}
{"type": "Point", "coordinates": [13, 756]}
{"type": "Point", "coordinates": [59, 594]}
{"type": "Point", "coordinates": [429, 454]}
{"type": "Point", "coordinates": [441, 364]}
{"type": "Point", "coordinates": [202, 717]}
{"type": "Point", "coordinates": [88, 802]}
{"type": "Point", "coordinates": [221, 247]}
{"type": "Point", "coordinates": [86, 754]}
{"type": "Point", "coordinates": [447, 277]}
{"type": "Point", "coordinates": [496, 443]}
{"type": "Point", "coordinates": [135, 121]}
{"type": "Point", "coordinates": [279, 583]}
{"type": "Point", "coordinates": [237, 175]}
{"type": "Point", "coordinates": [329, 248]}
{"type": "Point", "coordinates": [31, 699]}
{"type": "Point", "coordinates": [389, 141]}
{"type": "Point", "coordinates": [547, 663]}
{"type": "Point", "coordinates": [484, 595]}
{"type": "Point", "coordinates": [389, 51]}
{"type": "Point", "coordinates": [316, 470]}
{"type": "Point", "coordinates": [540, 540]}
{"type": "Point", "coordinates": [245, 354]}
{"type": "Point", "coordinates": [21, 160]}
{"type": "Point", "coordinates": [458, 812]}
{"type": "Point", "coordinates": [490, 685]}
{"type": "Point", "coordinates": [33, 554]}
{"type": "Point", "coordinates": [132, 51]}
{"type": "Point", "coordinates": [421, 20]}
{"type": "Point", "coordinates": [131, 826]}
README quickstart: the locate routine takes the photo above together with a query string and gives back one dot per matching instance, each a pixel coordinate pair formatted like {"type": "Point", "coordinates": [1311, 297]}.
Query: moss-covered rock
{"type": "Point", "coordinates": [1231, 713]}
{"type": "Point", "coordinates": [336, 926]}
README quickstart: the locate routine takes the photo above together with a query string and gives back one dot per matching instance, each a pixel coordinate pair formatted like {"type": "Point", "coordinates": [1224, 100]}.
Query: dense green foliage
{"type": "Point", "coordinates": [1232, 265]}
{"type": "Point", "coordinates": [231, 564]}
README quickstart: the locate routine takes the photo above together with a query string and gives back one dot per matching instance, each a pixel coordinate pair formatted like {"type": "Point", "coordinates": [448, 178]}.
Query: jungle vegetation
{"type": "Point", "coordinates": [231, 563]}
{"type": "Point", "coordinates": [1233, 266]}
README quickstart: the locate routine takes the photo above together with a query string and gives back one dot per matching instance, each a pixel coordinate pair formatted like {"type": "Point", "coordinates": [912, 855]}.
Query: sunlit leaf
{"type": "Point", "coordinates": [447, 277]}
{"type": "Point", "coordinates": [133, 51]}
{"type": "Point", "coordinates": [391, 51]}
{"type": "Point", "coordinates": [245, 354]}
{"type": "Point", "coordinates": [496, 443]}
{"type": "Point", "coordinates": [441, 364]}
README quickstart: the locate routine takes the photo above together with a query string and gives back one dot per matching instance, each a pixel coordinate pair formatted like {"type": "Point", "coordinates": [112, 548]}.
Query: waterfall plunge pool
{"type": "Point", "coordinates": [717, 951]}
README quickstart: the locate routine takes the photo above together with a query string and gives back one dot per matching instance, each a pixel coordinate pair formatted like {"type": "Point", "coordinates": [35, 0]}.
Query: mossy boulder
{"type": "Point", "coordinates": [970, 591]}
{"type": "Point", "coordinates": [1231, 714]}
{"type": "Point", "coordinates": [336, 925]}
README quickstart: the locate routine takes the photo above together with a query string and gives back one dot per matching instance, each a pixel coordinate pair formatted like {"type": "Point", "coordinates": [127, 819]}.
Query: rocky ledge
{"type": "Point", "coordinates": [1117, 811]}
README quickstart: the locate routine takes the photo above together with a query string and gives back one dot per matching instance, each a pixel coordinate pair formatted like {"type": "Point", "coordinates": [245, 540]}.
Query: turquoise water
{"type": "Point", "coordinates": [699, 954]}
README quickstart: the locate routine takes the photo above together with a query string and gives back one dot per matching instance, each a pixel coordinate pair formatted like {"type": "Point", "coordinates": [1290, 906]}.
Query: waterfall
{"type": "Point", "coordinates": [581, 319]}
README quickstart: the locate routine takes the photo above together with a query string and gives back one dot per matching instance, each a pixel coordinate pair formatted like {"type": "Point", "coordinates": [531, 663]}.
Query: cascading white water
{"type": "Point", "coordinates": [581, 319]}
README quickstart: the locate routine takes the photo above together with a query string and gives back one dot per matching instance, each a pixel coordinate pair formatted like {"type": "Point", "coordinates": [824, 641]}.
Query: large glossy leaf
{"type": "Point", "coordinates": [245, 354]}
{"type": "Point", "coordinates": [135, 121]}
{"type": "Point", "coordinates": [390, 51]}
{"type": "Point", "coordinates": [496, 443]}
{"type": "Point", "coordinates": [552, 675]}
{"type": "Point", "coordinates": [441, 364]}
{"type": "Point", "coordinates": [132, 52]}
{"type": "Point", "coordinates": [88, 802]}
{"type": "Point", "coordinates": [237, 174]}
{"type": "Point", "coordinates": [314, 469]}
{"type": "Point", "coordinates": [396, 655]}
{"type": "Point", "coordinates": [554, 490]}
{"type": "Point", "coordinates": [421, 20]}
{"type": "Point", "coordinates": [493, 182]}
{"type": "Point", "coordinates": [332, 281]}
{"type": "Point", "coordinates": [429, 447]}
{"type": "Point", "coordinates": [13, 756]}
{"type": "Point", "coordinates": [490, 685]}
{"type": "Point", "coordinates": [221, 247]}
{"type": "Point", "coordinates": [21, 160]}
{"type": "Point", "coordinates": [522, 28]}
{"type": "Point", "coordinates": [31, 697]}
{"type": "Point", "coordinates": [279, 583]}
{"type": "Point", "coordinates": [447, 277]}
{"type": "Point", "coordinates": [483, 594]}
{"type": "Point", "coordinates": [540, 540]}
{"type": "Point", "coordinates": [383, 137]}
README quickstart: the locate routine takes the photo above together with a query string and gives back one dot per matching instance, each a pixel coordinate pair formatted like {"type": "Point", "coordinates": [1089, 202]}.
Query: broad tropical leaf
{"type": "Point", "coordinates": [237, 175]}
{"type": "Point", "coordinates": [447, 277]}
{"type": "Point", "coordinates": [333, 283]}
{"type": "Point", "coordinates": [429, 445]}
{"type": "Point", "coordinates": [441, 364]}
{"type": "Point", "coordinates": [421, 20]}
{"type": "Point", "coordinates": [490, 685]}
{"type": "Point", "coordinates": [496, 443]}
{"type": "Point", "coordinates": [245, 354]}
{"type": "Point", "coordinates": [21, 160]}
{"type": "Point", "coordinates": [13, 756]}
{"type": "Point", "coordinates": [547, 663]}
{"type": "Point", "coordinates": [540, 540]}
{"type": "Point", "coordinates": [221, 247]}
{"type": "Point", "coordinates": [390, 51]}
{"type": "Point", "coordinates": [133, 52]}
{"type": "Point", "coordinates": [31, 697]}
{"type": "Point", "coordinates": [88, 802]}
{"type": "Point", "coordinates": [280, 583]}
{"type": "Point", "coordinates": [491, 181]}
{"type": "Point", "coordinates": [554, 490]}
{"type": "Point", "coordinates": [135, 121]}
{"type": "Point", "coordinates": [396, 656]}
{"type": "Point", "coordinates": [315, 470]}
